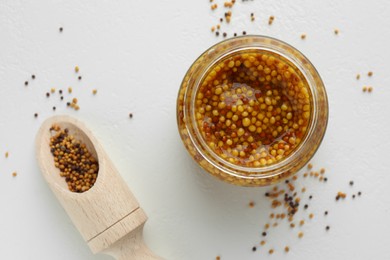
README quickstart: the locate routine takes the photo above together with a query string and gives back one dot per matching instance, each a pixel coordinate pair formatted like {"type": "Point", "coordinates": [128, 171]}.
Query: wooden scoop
{"type": "Point", "coordinates": [107, 216]}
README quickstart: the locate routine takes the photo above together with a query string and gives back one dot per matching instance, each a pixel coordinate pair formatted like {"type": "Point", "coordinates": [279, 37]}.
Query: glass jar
{"type": "Point", "coordinates": [263, 166]}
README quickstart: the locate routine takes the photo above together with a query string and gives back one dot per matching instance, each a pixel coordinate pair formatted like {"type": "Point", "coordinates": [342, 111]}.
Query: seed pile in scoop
{"type": "Point", "coordinates": [77, 165]}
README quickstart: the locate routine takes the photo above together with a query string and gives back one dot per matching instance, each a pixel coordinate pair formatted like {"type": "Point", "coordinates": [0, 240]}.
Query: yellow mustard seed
{"type": "Point", "coordinates": [76, 69]}
{"type": "Point", "coordinates": [370, 89]}
{"type": "Point", "coordinates": [70, 90]}
{"type": "Point", "coordinates": [300, 234]}
{"type": "Point", "coordinates": [262, 243]}
{"type": "Point", "coordinates": [6, 154]}
{"type": "Point", "coordinates": [52, 90]}
{"type": "Point", "coordinates": [243, 107]}
{"type": "Point", "coordinates": [94, 91]}
{"type": "Point", "coordinates": [14, 174]}
{"type": "Point", "coordinates": [358, 76]}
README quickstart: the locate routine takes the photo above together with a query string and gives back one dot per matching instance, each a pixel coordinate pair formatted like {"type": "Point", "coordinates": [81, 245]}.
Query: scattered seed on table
{"type": "Point", "coordinates": [94, 91]}
{"type": "Point", "coordinates": [327, 228]}
{"type": "Point", "coordinates": [33, 76]}
{"type": "Point", "coordinates": [286, 249]}
{"type": "Point", "coordinates": [306, 206]}
{"type": "Point", "coordinates": [62, 97]}
{"type": "Point", "coordinates": [271, 19]}
{"type": "Point", "coordinates": [271, 251]}
{"type": "Point", "coordinates": [76, 69]}
{"type": "Point", "coordinates": [61, 29]}
{"type": "Point", "coordinates": [68, 104]}
{"type": "Point", "coordinates": [292, 225]}
{"type": "Point", "coordinates": [358, 76]}
{"type": "Point", "coordinates": [262, 243]}
{"type": "Point", "coordinates": [251, 204]}
{"type": "Point", "coordinates": [79, 77]}
{"type": "Point", "coordinates": [47, 94]}
{"type": "Point", "coordinates": [264, 234]}
{"type": "Point", "coordinates": [217, 33]}
{"type": "Point", "coordinates": [235, 34]}
{"type": "Point", "coordinates": [359, 193]}
{"type": "Point", "coordinates": [254, 249]}
{"type": "Point", "coordinates": [353, 196]}
{"type": "Point", "coordinates": [70, 90]}
{"type": "Point", "coordinates": [54, 108]}
{"type": "Point", "coordinates": [322, 171]}
{"type": "Point", "coordinates": [266, 226]}
{"type": "Point", "coordinates": [243, 32]}
{"type": "Point", "coordinates": [60, 91]}
{"type": "Point", "coordinates": [131, 115]}
{"type": "Point", "coordinates": [52, 90]}
{"type": "Point", "coordinates": [310, 197]}
{"type": "Point", "coordinates": [326, 213]}
{"type": "Point", "coordinates": [364, 89]}
{"type": "Point", "coordinates": [212, 28]}
{"type": "Point", "coordinates": [370, 73]}
{"type": "Point", "coordinates": [302, 222]}
{"type": "Point", "coordinates": [311, 215]}
{"type": "Point", "coordinates": [224, 34]}
{"type": "Point", "coordinates": [369, 89]}
{"type": "Point", "coordinates": [6, 154]}
{"type": "Point", "coordinates": [325, 179]}
{"type": "Point", "coordinates": [303, 36]}
{"type": "Point", "coordinates": [218, 258]}
{"type": "Point", "coordinates": [26, 83]}
{"type": "Point", "coordinates": [336, 31]}
{"type": "Point", "coordinates": [74, 100]}
{"type": "Point", "coordinates": [36, 115]}
{"type": "Point", "coordinates": [14, 174]}
{"type": "Point", "coordinates": [351, 183]}
{"type": "Point", "coordinates": [310, 166]}
{"type": "Point", "coordinates": [300, 234]}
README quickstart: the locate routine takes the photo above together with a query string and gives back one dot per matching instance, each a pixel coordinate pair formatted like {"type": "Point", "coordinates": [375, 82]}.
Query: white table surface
{"type": "Point", "coordinates": [135, 53]}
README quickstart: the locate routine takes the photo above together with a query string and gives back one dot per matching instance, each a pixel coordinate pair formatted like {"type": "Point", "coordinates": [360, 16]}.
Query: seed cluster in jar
{"type": "Point", "coordinates": [76, 164]}
{"type": "Point", "coordinates": [253, 108]}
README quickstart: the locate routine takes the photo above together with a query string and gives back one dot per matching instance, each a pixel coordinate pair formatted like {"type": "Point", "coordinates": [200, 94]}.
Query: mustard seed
{"type": "Point", "coordinates": [271, 251]}
{"type": "Point", "coordinates": [359, 193]}
{"type": "Point", "coordinates": [33, 76]}
{"type": "Point", "coordinates": [271, 20]}
{"type": "Point", "coordinates": [306, 206]}
{"type": "Point", "coordinates": [327, 228]}
{"type": "Point", "coordinates": [286, 249]}
{"type": "Point", "coordinates": [351, 183]}
{"type": "Point", "coordinates": [224, 34]}
{"type": "Point", "coordinates": [68, 104]}
{"type": "Point", "coordinates": [52, 90]}
{"type": "Point", "coordinates": [262, 242]}
{"type": "Point", "coordinates": [61, 29]}
{"type": "Point", "coordinates": [26, 83]}
{"type": "Point", "coordinates": [36, 115]}
{"type": "Point", "coordinates": [336, 31]}
{"type": "Point", "coordinates": [76, 69]}
{"type": "Point", "coordinates": [326, 213]}
{"type": "Point", "coordinates": [310, 166]}
{"type": "Point", "coordinates": [217, 33]}
{"type": "Point", "coordinates": [218, 258]}
{"type": "Point", "coordinates": [264, 234]}
{"type": "Point", "coordinates": [60, 91]}
{"type": "Point", "coordinates": [370, 73]}
{"type": "Point", "coordinates": [370, 89]}
{"type": "Point", "coordinates": [310, 197]}
{"type": "Point", "coordinates": [6, 154]}
{"type": "Point", "coordinates": [70, 90]}
{"type": "Point", "coordinates": [79, 77]}
{"type": "Point", "coordinates": [311, 215]}
{"type": "Point", "coordinates": [243, 32]}
{"type": "Point", "coordinates": [254, 249]}
{"type": "Point", "coordinates": [131, 115]}
{"type": "Point", "coordinates": [14, 174]}
{"type": "Point", "coordinates": [94, 91]}
{"type": "Point", "coordinates": [300, 234]}
{"type": "Point", "coordinates": [303, 36]}
{"type": "Point", "coordinates": [358, 76]}
{"type": "Point", "coordinates": [54, 108]}
{"type": "Point", "coordinates": [76, 164]}
{"type": "Point", "coordinates": [353, 196]}
{"type": "Point", "coordinates": [62, 98]}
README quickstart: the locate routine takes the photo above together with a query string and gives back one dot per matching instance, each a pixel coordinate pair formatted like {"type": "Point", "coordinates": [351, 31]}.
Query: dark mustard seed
{"type": "Point", "coordinates": [61, 29]}
{"type": "Point", "coordinates": [264, 234]}
{"type": "Point", "coordinates": [131, 115]}
{"type": "Point", "coordinates": [326, 213]}
{"type": "Point", "coordinates": [311, 196]}
{"type": "Point", "coordinates": [26, 83]}
{"type": "Point", "coordinates": [306, 206]}
{"type": "Point", "coordinates": [359, 193]}
{"type": "Point", "coordinates": [33, 76]}
{"type": "Point", "coordinates": [60, 91]}
{"type": "Point", "coordinates": [254, 249]}
{"type": "Point", "coordinates": [47, 94]}
{"type": "Point", "coordinates": [68, 103]}
{"type": "Point", "coordinates": [325, 179]}
{"type": "Point", "coordinates": [221, 20]}
{"type": "Point", "coordinates": [224, 34]}
{"type": "Point", "coordinates": [235, 34]}
{"type": "Point", "coordinates": [351, 183]}
{"type": "Point", "coordinates": [353, 196]}
{"type": "Point", "coordinates": [244, 33]}
{"type": "Point", "coordinates": [62, 97]}
{"type": "Point", "coordinates": [80, 78]}
{"type": "Point", "coordinates": [36, 115]}
{"type": "Point", "coordinates": [54, 108]}
{"type": "Point", "coordinates": [266, 194]}
{"type": "Point", "coordinates": [327, 228]}
{"type": "Point", "coordinates": [217, 33]}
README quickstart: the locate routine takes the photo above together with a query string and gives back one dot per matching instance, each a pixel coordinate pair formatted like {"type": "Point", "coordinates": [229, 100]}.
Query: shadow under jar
{"type": "Point", "coordinates": [252, 110]}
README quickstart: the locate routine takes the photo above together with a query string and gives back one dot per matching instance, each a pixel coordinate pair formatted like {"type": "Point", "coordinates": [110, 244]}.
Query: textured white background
{"type": "Point", "coordinates": [136, 53]}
